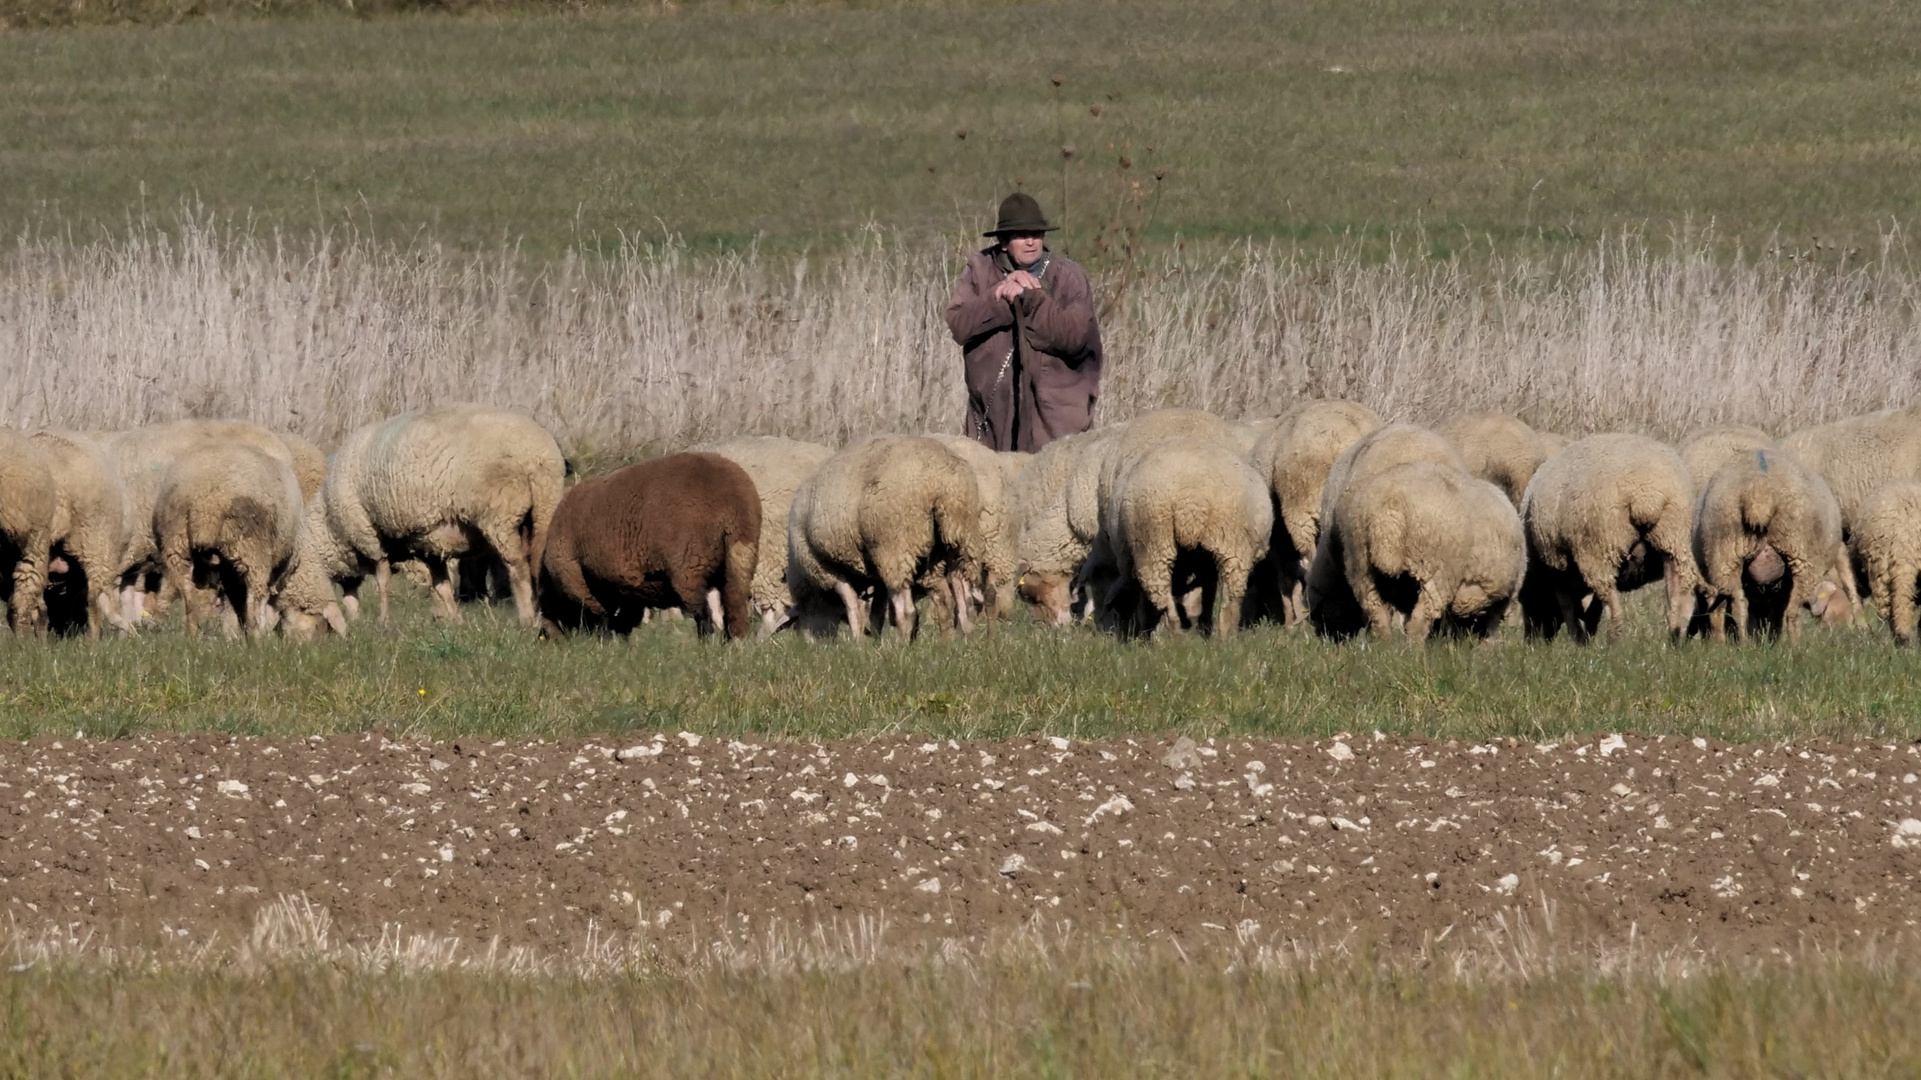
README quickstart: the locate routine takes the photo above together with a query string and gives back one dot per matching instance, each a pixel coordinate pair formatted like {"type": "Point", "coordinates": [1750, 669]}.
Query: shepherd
{"type": "Point", "coordinates": [1024, 318]}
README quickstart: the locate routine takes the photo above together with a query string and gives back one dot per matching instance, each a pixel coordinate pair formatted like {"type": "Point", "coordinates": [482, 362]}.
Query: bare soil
{"type": "Point", "coordinates": [1669, 842]}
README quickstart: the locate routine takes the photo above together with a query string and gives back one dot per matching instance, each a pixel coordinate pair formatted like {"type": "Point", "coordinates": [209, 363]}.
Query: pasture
{"type": "Point", "coordinates": [1516, 124]}
{"type": "Point", "coordinates": [432, 849]}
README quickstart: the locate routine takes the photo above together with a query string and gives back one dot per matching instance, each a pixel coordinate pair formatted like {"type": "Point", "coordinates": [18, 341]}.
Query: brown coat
{"type": "Point", "coordinates": [1024, 399]}
{"type": "Point", "coordinates": [659, 534]}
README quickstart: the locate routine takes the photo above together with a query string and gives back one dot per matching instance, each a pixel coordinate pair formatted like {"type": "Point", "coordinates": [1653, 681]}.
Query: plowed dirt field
{"type": "Point", "coordinates": [1670, 842]}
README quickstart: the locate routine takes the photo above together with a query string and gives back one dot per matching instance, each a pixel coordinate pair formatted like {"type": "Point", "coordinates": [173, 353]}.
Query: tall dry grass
{"type": "Point", "coordinates": [655, 349]}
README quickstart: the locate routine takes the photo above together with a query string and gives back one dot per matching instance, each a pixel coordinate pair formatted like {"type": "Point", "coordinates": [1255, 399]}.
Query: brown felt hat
{"type": "Point", "coordinates": [1020, 212]}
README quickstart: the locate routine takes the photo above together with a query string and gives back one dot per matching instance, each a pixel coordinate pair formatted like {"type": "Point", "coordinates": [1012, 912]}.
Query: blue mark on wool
{"type": "Point", "coordinates": [1762, 457]}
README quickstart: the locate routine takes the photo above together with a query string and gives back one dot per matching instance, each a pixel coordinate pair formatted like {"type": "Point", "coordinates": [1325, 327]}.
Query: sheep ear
{"type": "Point", "coordinates": [335, 620]}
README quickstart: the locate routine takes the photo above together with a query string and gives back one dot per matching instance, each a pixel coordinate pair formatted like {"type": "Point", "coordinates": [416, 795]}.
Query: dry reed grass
{"type": "Point", "coordinates": [654, 349]}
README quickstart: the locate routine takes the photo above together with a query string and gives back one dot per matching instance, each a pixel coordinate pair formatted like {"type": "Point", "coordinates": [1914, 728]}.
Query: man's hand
{"type": "Point", "coordinates": [1015, 284]}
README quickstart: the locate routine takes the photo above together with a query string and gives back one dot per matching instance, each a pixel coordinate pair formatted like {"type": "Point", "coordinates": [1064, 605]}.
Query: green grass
{"type": "Point", "coordinates": [1074, 1013]}
{"type": "Point", "coordinates": [488, 677]}
{"type": "Point", "coordinates": [1524, 122]}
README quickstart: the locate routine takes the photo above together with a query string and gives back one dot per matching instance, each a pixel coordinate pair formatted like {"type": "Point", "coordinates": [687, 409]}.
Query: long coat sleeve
{"type": "Point", "coordinates": [1033, 367]}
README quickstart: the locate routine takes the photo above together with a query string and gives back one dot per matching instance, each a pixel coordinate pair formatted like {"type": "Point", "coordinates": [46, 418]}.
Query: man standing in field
{"type": "Point", "coordinates": [1024, 317]}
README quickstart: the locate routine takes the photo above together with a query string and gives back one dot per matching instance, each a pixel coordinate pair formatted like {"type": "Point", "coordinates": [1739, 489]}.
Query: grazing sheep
{"type": "Point", "coordinates": [996, 475]}
{"type": "Point", "coordinates": [1858, 455]}
{"type": "Point", "coordinates": [777, 466]}
{"type": "Point", "coordinates": [1604, 516]}
{"type": "Point", "coordinates": [1500, 449]}
{"type": "Point", "coordinates": [1293, 456]}
{"type": "Point", "coordinates": [1332, 607]}
{"type": "Point", "coordinates": [1887, 546]}
{"type": "Point", "coordinates": [678, 532]}
{"type": "Point", "coordinates": [1430, 544]}
{"type": "Point", "coordinates": [465, 480]}
{"type": "Point", "coordinates": [1765, 531]}
{"type": "Point", "coordinates": [309, 464]}
{"type": "Point", "coordinates": [225, 520]}
{"type": "Point", "coordinates": [89, 534]}
{"type": "Point", "coordinates": [142, 457]}
{"type": "Point", "coordinates": [28, 498]}
{"type": "Point", "coordinates": [1058, 497]}
{"type": "Point", "coordinates": [1185, 513]}
{"type": "Point", "coordinates": [1705, 452]}
{"type": "Point", "coordinates": [893, 513]}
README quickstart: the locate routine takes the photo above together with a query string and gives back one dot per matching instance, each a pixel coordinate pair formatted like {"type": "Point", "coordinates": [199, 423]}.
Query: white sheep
{"type": "Point", "coordinates": [883, 518]}
{"type": "Point", "coordinates": [996, 475]}
{"type": "Point", "coordinates": [225, 523]}
{"type": "Point", "coordinates": [1887, 546]}
{"type": "Point", "coordinates": [1704, 452]}
{"type": "Point", "coordinates": [1186, 512]}
{"type": "Point", "coordinates": [778, 467]}
{"type": "Point", "coordinates": [1501, 449]}
{"type": "Point", "coordinates": [27, 501]}
{"type": "Point", "coordinates": [89, 531]}
{"type": "Point", "coordinates": [1426, 543]}
{"type": "Point", "coordinates": [1293, 456]}
{"type": "Point", "coordinates": [1059, 506]}
{"type": "Point", "coordinates": [1606, 515]}
{"type": "Point", "coordinates": [1766, 528]}
{"type": "Point", "coordinates": [141, 457]}
{"type": "Point", "coordinates": [465, 480]}
{"type": "Point", "coordinates": [1332, 607]}
{"type": "Point", "coordinates": [1858, 455]}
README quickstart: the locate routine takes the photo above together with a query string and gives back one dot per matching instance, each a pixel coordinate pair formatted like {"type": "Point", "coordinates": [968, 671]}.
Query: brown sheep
{"type": "Point", "coordinates": [679, 532]}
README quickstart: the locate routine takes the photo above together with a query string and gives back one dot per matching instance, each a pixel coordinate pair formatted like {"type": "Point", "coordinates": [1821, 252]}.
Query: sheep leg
{"type": "Point", "coordinates": [446, 603]}
{"type": "Point", "coordinates": [1900, 608]}
{"type": "Point", "coordinates": [180, 573]}
{"type": "Point", "coordinates": [27, 610]}
{"type": "Point", "coordinates": [1680, 588]}
{"type": "Point", "coordinates": [1428, 608]}
{"type": "Point", "coordinates": [957, 584]}
{"type": "Point", "coordinates": [1156, 577]}
{"type": "Point", "coordinates": [384, 584]}
{"type": "Point", "coordinates": [1230, 596]}
{"type": "Point", "coordinates": [1738, 613]}
{"type": "Point", "coordinates": [901, 610]}
{"type": "Point", "coordinates": [716, 617]}
{"type": "Point", "coordinates": [856, 611]}
{"type": "Point", "coordinates": [510, 547]}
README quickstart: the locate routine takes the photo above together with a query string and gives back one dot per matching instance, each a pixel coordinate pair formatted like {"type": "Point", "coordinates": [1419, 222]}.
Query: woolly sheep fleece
{"type": "Point", "coordinates": [678, 532]}
{"type": "Point", "coordinates": [778, 467]}
{"type": "Point", "coordinates": [995, 475]}
{"type": "Point", "coordinates": [1498, 448]}
{"type": "Point", "coordinates": [1887, 546]}
{"type": "Point", "coordinates": [225, 523]}
{"type": "Point", "coordinates": [1858, 455]}
{"type": "Point", "coordinates": [1429, 543]}
{"type": "Point", "coordinates": [89, 533]}
{"type": "Point", "coordinates": [1186, 512]}
{"type": "Point", "coordinates": [1059, 500]}
{"type": "Point", "coordinates": [1601, 515]}
{"type": "Point", "coordinates": [141, 457]}
{"type": "Point", "coordinates": [1294, 457]}
{"type": "Point", "coordinates": [1705, 452]}
{"type": "Point", "coordinates": [430, 486]}
{"type": "Point", "coordinates": [27, 501]}
{"type": "Point", "coordinates": [1331, 606]}
{"type": "Point", "coordinates": [1762, 517]}
{"type": "Point", "coordinates": [879, 520]}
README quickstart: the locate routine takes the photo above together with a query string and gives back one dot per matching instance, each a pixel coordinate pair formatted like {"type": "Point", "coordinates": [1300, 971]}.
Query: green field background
{"type": "Point", "coordinates": [1451, 125]}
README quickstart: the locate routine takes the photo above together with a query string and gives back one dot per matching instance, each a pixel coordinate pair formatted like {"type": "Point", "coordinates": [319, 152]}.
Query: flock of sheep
{"type": "Point", "coordinates": [1174, 519]}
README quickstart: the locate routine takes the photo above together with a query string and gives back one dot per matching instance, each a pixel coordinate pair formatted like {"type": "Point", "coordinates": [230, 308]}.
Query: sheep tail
{"type": "Point", "coordinates": [955, 529]}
